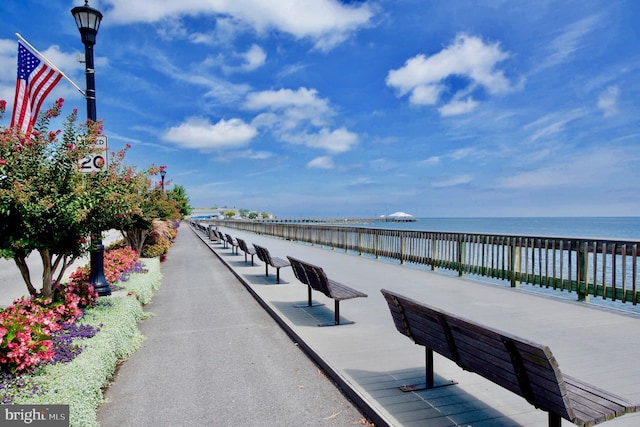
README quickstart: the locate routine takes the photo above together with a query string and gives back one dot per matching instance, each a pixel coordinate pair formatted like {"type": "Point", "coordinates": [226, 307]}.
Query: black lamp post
{"type": "Point", "coordinates": [88, 21]}
{"type": "Point", "coordinates": [163, 173]}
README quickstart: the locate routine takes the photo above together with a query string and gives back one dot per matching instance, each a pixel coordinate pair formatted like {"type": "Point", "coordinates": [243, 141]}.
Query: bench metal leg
{"type": "Point", "coordinates": [309, 300]}
{"type": "Point", "coordinates": [554, 420]}
{"type": "Point", "coordinates": [336, 319]}
{"type": "Point", "coordinates": [429, 378]}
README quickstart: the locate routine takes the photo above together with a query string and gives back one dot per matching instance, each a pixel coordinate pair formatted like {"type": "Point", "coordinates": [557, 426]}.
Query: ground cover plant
{"type": "Point", "coordinates": [64, 349]}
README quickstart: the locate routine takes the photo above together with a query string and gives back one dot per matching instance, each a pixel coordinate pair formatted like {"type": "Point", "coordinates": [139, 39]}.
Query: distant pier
{"type": "Point", "coordinates": [336, 220]}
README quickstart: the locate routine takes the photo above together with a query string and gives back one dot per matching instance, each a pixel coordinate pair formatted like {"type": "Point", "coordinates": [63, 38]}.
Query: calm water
{"type": "Point", "coordinates": [626, 228]}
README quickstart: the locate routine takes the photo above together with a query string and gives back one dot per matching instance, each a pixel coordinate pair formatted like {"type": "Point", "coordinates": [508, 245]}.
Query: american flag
{"type": "Point", "coordinates": [35, 81]}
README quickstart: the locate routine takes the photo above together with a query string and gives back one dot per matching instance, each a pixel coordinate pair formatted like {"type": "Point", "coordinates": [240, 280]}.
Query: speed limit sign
{"type": "Point", "coordinates": [98, 160]}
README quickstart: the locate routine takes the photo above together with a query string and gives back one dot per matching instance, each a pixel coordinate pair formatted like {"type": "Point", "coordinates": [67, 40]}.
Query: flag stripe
{"type": "Point", "coordinates": [34, 83]}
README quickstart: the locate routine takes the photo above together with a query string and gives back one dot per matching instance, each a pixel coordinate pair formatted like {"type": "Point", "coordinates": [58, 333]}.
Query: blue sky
{"type": "Point", "coordinates": [327, 108]}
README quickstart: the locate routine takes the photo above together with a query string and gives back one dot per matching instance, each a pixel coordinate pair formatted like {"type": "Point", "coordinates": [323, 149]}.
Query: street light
{"type": "Point", "coordinates": [88, 21]}
{"type": "Point", "coordinates": [163, 173]}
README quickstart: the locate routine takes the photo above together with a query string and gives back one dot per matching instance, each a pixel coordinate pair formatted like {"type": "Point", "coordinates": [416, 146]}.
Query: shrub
{"type": "Point", "coordinates": [159, 247]}
{"type": "Point", "coordinates": [159, 240]}
{"type": "Point", "coordinates": [116, 262]}
{"type": "Point", "coordinates": [25, 334]}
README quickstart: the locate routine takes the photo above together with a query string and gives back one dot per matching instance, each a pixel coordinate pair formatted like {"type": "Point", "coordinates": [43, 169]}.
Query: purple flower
{"type": "Point", "coordinates": [63, 341]}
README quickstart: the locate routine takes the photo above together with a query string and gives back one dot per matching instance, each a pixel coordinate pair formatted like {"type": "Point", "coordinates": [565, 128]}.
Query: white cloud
{"type": "Point", "coordinates": [300, 117]}
{"type": "Point", "coordinates": [433, 160]}
{"type": "Point", "coordinates": [303, 99]}
{"type": "Point", "coordinates": [608, 101]}
{"type": "Point", "coordinates": [254, 58]}
{"type": "Point", "coordinates": [247, 61]}
{"type": "Point", "coordinates": [219, 89]}
{"type": "Point", "coordinates": [552, 124]}
{"type": "Point", "coordinates": [452, 182]}
{"type": "Point", "coordinates": [198, 133]}
{"type": "Point", "coordinates": [323, 162]}
{"type": "Point", "coordinates": [568, 170]}
{"type": "Point", "coordinates": [334, 141]}
{"type": "Point", "coordinates": [424, 78]}
{"type": "Point", "coordinates": [326, 22]}
{"type": "Point", "coordinates": [569, 39]}
{"type": "Point", "coordinates": [456, 107]}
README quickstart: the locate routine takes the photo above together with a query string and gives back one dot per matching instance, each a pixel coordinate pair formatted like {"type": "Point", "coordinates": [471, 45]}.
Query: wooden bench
{"type": "Point", "coordinates": [523, 367]}
{"type": "Point", "coordinates": [246, 249]}
{"type": "Point", "coordinates": [220, 237]}
{"type": "Point", "coordinates": [275, 262]}
{"type": "Point", "coordinates": [315, 278]}
{"type": "Point", "coordinates": [233, 243]}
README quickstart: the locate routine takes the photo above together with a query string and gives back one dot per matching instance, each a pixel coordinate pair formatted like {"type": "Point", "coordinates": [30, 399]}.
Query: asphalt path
{"type": "Point", "coordinates": [214, 357]}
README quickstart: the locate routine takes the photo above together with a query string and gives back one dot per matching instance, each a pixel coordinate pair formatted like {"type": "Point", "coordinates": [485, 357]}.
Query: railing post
{"type": "Point", "coordinates": [460, 255]}
{"type": "Point", "coordinates": [403, 243]}
{"type": "Point", "coordinates": [434, 251]}
{"type": "Point", "coordinates": [515, 262]}
{"type": "Point", "coordinates": [582, 276]}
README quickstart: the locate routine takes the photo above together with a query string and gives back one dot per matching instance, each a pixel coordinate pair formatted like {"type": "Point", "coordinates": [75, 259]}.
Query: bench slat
{"type": "Point", "coordinates": [246, 249]}
{"type": "Point", "coordinates": [521, 366]}
{"type": "Point", "coordinates": [315, 278]}
{"type": "Point", "coordinates": [593, 403]}
{"type": "Point", "coordinates": [487, 357]}
{"type": "Point", "coordinates": [275, 262]}
{"type": "Point", "coordinates": [342, 292]}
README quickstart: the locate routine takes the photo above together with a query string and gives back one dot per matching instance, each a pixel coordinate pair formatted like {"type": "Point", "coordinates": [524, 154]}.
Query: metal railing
{"type": "Point", "coordinates": [589, 267]}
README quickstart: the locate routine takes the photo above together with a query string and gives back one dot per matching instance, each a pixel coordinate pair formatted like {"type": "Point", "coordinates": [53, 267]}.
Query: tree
{"type": "Point", "coordinates": [179, 195]}
{"type": "Point", "coordinates": [44, 198]}
{"type": "Point", "coordinates": [131, 200]}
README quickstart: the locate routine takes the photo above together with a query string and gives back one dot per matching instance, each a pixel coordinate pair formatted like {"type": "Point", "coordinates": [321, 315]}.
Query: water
{"type": "Point", "coordinates": [625, 228]}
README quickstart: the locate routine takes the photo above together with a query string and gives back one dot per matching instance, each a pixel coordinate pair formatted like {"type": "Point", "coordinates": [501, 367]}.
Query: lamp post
{"type": "Point", "coordinates": [163, 173]}
{"type": "Point", "coordinates": [88, 21]}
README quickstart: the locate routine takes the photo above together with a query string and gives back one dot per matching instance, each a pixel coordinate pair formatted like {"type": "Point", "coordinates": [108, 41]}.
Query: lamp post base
{"type": "Point", "coordinates": [96, 277]}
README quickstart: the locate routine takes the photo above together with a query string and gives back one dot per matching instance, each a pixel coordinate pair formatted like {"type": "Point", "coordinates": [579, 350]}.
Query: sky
{"type": "Point", "coordinates": [328, 108]}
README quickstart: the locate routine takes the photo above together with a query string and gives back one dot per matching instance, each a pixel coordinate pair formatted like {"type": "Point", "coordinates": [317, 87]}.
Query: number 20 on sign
{"type": "Point", "coordinates": [97, 161]}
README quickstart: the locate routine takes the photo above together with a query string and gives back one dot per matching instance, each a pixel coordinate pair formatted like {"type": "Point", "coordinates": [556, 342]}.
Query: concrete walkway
{"type": "Point", "coordinates": [370, 359]}
{"type": "Point", "coordinates": [214, 357]}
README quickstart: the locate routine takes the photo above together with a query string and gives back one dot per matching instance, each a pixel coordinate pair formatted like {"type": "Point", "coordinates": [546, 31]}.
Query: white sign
{"type": "Point", "coordinates": [97, 161]}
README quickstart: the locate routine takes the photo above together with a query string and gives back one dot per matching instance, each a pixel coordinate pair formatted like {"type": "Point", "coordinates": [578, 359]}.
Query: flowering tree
{"type": "Point", "coordinates": [44, 199]}
{"type": "Point", "coordinates": [133, 200]}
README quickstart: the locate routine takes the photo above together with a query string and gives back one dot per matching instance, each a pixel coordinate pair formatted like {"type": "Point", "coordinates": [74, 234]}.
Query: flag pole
{"type": "Point", "coordinates": [50, 64]}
